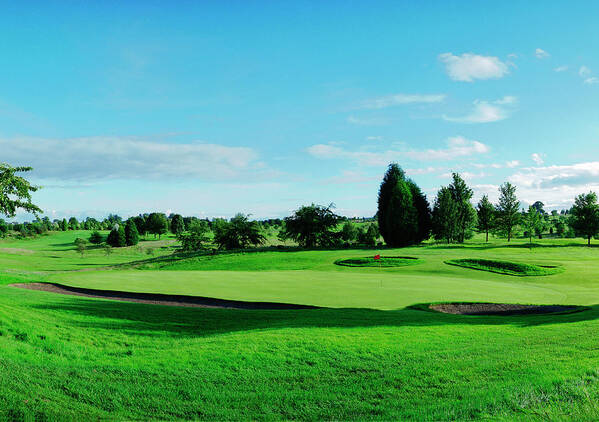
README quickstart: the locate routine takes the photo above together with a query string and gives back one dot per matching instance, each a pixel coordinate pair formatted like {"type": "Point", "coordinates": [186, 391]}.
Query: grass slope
{"type": "Point", "coordinates": [369, 357]}
{"type": "Point", "coordinates": [382, 262]}
{"type": "Point", "coordinates": [506, 267]}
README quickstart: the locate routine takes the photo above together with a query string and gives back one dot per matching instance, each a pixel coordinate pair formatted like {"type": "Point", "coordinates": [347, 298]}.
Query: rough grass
{"type": "Point", "coordinates": [369, 357]}
{"type": "Point", "coordinates": [506, 267]}
{"type": "Point", "coordinates": [384, 261]}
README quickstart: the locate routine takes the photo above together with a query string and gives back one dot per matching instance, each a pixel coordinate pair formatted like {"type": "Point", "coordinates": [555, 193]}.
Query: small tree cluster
{"type": "Point", "coordinates": [453, 215]}
{"type": "Point", "coordinates": [313, 226]}
{"type": "Point", "coordinates": [238, 233]}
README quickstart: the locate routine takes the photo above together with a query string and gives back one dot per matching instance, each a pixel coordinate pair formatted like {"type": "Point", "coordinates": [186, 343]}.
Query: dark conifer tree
{"type": "Point", "coordinates": [397, 215]}
{"type": "Point", "coordinates": [424, 212]}
{"type": "Point", "coordinates": [131, 233]}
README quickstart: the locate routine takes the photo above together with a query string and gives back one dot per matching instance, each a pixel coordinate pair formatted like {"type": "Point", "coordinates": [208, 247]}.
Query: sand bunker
{"type": "Point", "coordinates": [499, 309]}
{"type": "Point", "coordinates": [158, 299]}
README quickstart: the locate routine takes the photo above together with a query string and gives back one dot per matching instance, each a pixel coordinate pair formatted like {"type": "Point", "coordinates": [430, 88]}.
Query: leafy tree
{"type": "Point", "coordinates": [485, 212]}
{"type": "Point", "coordinates": [312, 226]}
{"type": "Point", "coordinates": [584, 216]}
{"type": "Point", "coordinates": [349, 232]}
{"type": "Point", "coordinates": [157, 224]}
{"type": "Point", "coordinates": [81, 245]}
{"type": "Point", "coordinates": [64, 225]}
{"type": "Point", "coordinates": [96, 238]}
{"type": "Point", "coordinates": [238, 233]}
{"type": "Point", "coordinates": [445, 216]}
{"type": "Point", "coordinates": [397, 215]}
{"type": "Point", "coordinates": [107, 250]}
{"type": "Point", "coordinates": [368, 235]}
{"type": "Point", "coordinates": [196, 237]}
{"type": "Point", "coordinates": [15, 191]}
{"type": "Point", "coordinates": [177, 224]}
{"type": "Point", "coordinates": [507, 216]}
{"type": "Point", "coordinates": [532, 221]}
{"type": "Point", "coordinates": [117, 238]}
{"type": "Point", "coordinates": [140, 223]}
{"type": "Point", "coordinates": [73, 224]}
{"type": "Point", "coordinates": [131, 234]}
{"type": "Point", "coordinates": [465, 214]}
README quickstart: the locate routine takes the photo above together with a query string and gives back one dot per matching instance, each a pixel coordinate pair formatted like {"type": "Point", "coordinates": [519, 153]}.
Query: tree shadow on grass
{"type": "Point", "coordinates": [144, 319]}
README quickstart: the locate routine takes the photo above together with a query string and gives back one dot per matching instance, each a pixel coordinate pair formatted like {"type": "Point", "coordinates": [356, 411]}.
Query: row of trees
{"type": "Point", "coordinates": [405, 217]}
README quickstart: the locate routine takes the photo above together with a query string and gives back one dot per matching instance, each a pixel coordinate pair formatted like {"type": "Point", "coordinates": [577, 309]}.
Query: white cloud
{"type": "Point", "coordinates": [561, 69]}
{"type": "Point", "coordinates": [512, 164]}
{"type": "Point", "coordinates": [400, 99]}
{"type": "Point", "coordinates": [541, 54]}
{"type": "Point", "coordinates": [584, 71]}
{"type": "Point", "coordinates": [485, 112]}
{"type": "Point", "coordinates": [457, 147]}
{"type": "Point", "coordinates": [374, 138]}
{"type": "Point", "coordinates": [591, 80]}
{"type": "Point", "coordinates": [469, 67]}
{"type": "Point", "coordinates": [557, 186]}
{"type": "Point", "coordinates": [537, 159]}
{"type": "Point", "coordinates": [102, 158]}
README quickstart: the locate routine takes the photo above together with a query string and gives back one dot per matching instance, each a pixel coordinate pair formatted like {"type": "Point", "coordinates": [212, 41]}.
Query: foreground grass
{"type": "Point", "coordinates": [68, 357]}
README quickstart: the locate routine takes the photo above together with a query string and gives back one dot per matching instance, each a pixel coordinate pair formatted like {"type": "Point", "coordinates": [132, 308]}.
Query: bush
{"type": "Point", "coordinates": [96, 238]}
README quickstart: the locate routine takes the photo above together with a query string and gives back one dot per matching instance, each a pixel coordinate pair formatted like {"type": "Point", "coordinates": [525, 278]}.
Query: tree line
{"type": "Point", "coordinates": [406, 218]}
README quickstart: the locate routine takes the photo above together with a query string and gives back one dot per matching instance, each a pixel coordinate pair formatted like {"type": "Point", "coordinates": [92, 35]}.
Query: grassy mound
{"type": "Point", "coordinates": [385, 261]}
{"type": "Point", "coordinates": [506, 267]}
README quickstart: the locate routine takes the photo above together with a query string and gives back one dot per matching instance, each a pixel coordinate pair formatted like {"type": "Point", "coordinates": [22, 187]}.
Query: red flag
{"type": "Point", "coordinates": [377, 257]}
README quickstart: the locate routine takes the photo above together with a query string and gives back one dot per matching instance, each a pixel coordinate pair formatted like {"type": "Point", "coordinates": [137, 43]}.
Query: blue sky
{"type": "Point", "coordinates": [211, 108]}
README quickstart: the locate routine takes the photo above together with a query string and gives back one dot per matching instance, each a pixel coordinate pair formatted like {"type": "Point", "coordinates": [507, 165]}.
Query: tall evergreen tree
{"type": "Point", "coordinates": [116, 238]}
{"type": "Point", "coordinates": [486, 215]}
{"type": "Point", "coordinates": [584, 216]}
{"type": "Point", "coordinates": [507, 210]}
{"type": "Point", "coordinates": [131, 233]}
{"type": "Point", "coordinates": [465, 215]}
{"type": "Point", "coordinates": [423, 211]}
{"type": "Point", "coordinates": [445, 216]}
{"type": "Point", "coordinates": [397, 215]}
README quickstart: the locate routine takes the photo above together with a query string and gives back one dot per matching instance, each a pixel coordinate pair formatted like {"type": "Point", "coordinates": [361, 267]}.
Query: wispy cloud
{"type": "Point", "coordinates": [485, 112]}
{"type": "Point", "coordinates": [400, 99]}
{"type": "Point", "coordinates": [456, 147]}
{"type": "Point", "coordinates": [584, 71]}
{"type": "Point", "coordinates": [561, 69]}
{"type": "Point", "coordinates": [469, 67]}
{"type": "Point", "coordinates": [537, 158]}
{"type": "Point", "coordinates": [367, 121]}
{"type": "Point", "coordinates": [541, 54]}
{"type": "Point", "coordinates": [591, 80]}
{"type": "Point", "coordinates": [102, 158]}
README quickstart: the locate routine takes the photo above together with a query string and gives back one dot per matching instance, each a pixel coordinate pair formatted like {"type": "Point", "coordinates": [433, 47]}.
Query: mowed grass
{"type": "Point", "coordinates": [369, 356]}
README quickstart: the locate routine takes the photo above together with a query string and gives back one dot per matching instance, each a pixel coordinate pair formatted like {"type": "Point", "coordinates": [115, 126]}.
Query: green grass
{"type": "Point", "coordinates": [506, 267]}
{"type": "Point", "coordinates": [368, 356]}
{"type": "Point", "coordinates": [382, 262]}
